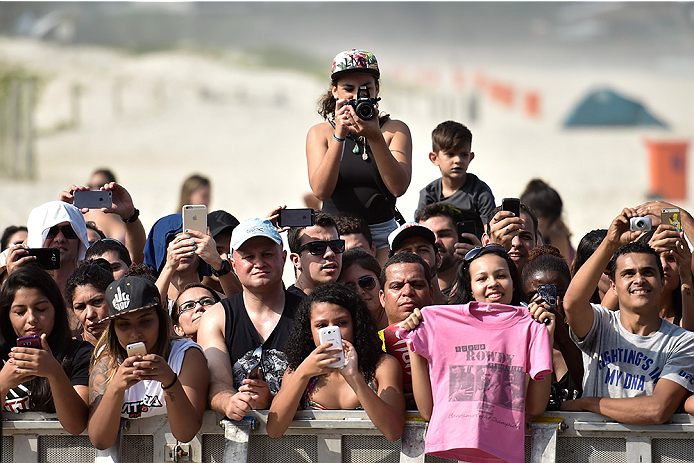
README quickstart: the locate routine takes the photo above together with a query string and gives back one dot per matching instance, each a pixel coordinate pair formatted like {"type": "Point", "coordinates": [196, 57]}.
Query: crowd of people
{"type": "Point", "coordinates": [479, 316]}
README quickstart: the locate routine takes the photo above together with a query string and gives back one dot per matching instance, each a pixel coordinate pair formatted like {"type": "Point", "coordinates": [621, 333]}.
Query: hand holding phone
{"type": "Point", "coordinates": [671, 216]}
{"type": "Point", "coordinates": [136, 348]}
{"type": "Point", "coordinates": [332, 335]}
{"type": "Point", "coordinates": [47, 258]}
{"type": "Point", "coordinates": [466, 226]}
{"type": "Point", "coordinates": [512, 205]}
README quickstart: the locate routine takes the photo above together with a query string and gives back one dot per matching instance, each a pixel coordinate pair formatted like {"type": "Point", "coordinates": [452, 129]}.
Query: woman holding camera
{"type": "Point", "coordinates": [356, 163]}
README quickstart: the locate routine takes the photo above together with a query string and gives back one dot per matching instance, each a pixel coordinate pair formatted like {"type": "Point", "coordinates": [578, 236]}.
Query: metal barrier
{"type": "Point", "coordinates": [340, 436]}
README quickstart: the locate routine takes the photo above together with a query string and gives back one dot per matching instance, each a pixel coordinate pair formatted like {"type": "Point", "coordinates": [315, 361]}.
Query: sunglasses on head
{"type": "Point", "coordinates": [366, 282]}
{"type": "Point", "coordinates": [206, 301]}
{"type": "Point", "coordinates": [66, 230]}
{"type": "Point", "coordinates": [474, 253]}
{"type": "Point", "coordinates": [318, 248]}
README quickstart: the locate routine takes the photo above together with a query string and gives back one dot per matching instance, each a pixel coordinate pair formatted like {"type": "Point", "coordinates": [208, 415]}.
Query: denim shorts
{"type": "Point", "coordinates": [380, 232]}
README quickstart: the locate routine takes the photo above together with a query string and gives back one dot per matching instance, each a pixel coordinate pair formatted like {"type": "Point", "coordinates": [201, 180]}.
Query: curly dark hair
{"type": "Point", "coordinates": [463, 286]}
{"type": "Point", "coordinates": [366, 341]}
{"type": "Point", "coordinates": [91, 272]}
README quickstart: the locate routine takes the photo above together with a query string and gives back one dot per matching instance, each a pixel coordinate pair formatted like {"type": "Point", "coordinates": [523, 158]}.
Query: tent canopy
{"type": "Point", "coordinates": [607, 108]}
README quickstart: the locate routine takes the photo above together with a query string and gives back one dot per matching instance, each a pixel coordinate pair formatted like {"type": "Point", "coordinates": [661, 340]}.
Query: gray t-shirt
{"type": "Point", "coordinates": [618, 363]}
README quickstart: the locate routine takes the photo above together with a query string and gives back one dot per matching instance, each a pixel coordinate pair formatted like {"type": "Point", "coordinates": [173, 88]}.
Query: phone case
{"type": "Point", "coordinates": [93, 199]}
{"type": "Point", "coordinates": [332, 334]}
{"type": "Point", "coordinates": [136, 348]}
{"type": "Point", "coordinates": [466, 226]}
{"type": "Point", "coordinates": [296, 217]}
{"type": "Point", "coordinates": [195, 217]}
{"type": "Point", "coordinates": [671, 216]}
{"type": "Point", "coordinates": [29, 341]}
{"type": "Point", "coordinates": [47, 258]}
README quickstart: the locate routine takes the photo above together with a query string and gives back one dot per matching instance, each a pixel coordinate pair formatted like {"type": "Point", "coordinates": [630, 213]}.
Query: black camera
{"type": "Point", "coordinates": [363, 105]}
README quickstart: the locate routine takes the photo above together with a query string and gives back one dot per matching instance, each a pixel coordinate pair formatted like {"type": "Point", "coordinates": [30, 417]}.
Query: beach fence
{"type": "Point", "coordinates": [17, 133]}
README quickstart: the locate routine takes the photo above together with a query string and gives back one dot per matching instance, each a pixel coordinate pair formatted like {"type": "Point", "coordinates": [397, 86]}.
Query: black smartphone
{"type": "Point", "coordinates": [296, 217]}
{"type": "Point", "coordinates": [47, 258]}
{"type": "Point", "coordinates": [511, 204]}
{"type": "Point", "coordinates": [92, 199]}
{"type": "Point", "coordinates": [548, 293]}
{"type": "Point", "coordinates": [466, 226]}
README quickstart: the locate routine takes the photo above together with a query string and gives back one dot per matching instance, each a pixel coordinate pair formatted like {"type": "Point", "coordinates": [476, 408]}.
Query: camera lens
{"type": "Point", "coordinates": [640, 223]}
{"type": "Point", "coordinates": [365, 111]}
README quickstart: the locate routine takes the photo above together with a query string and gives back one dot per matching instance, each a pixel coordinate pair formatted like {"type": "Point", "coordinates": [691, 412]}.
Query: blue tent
{"type": "Point", "coordinates": [607, 108]}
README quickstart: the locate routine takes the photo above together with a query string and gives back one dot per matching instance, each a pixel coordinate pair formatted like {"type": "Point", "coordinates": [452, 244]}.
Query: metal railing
{"type": "Point", "coordinates": [339, 436]}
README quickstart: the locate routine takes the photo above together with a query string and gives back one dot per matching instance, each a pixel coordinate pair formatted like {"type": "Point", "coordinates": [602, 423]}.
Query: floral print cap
{"type": "Point", "coordinates": [354, 61]}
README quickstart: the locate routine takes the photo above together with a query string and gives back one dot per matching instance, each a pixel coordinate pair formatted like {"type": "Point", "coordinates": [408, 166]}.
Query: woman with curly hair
{"type": "Point", "coordinates": [370, 379]}
{"type": "Point", "coordinates": [85, 294]}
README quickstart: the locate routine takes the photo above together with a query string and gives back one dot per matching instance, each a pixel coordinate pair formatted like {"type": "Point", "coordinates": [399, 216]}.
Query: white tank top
{"type": "Point", "coordinates": [146, 398]}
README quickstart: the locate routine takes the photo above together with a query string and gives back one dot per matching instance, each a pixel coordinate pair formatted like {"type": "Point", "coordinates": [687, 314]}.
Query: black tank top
{"type": "Point", "coordinates": [357, 191]}
{"type": "Point", "coordinates": [242, 340]}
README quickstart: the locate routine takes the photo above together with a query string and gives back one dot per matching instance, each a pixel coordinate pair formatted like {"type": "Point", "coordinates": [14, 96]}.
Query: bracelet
{"type": "Point", "coordinates": [338, 139]}
{"type": "Point", "coordinates": [134, 217]}
{"type": "Point", "coordinates": [172, 383]}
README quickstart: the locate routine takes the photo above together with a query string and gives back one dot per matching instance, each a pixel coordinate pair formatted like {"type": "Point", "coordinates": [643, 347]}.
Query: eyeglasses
{"type": "Point", "coordinates": [318, 248]}
{"type": "Point", "coordinates": [366, 283]}
{"type": "Point", "coordinates": [474, 253]}
{"type": "Point", "coordinates": [190, 305]}
{"type": "Point", "coordinates": [66, 230]}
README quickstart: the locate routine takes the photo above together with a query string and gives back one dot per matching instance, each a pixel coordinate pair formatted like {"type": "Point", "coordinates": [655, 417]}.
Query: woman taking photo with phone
{"type": "Point", "coordinates": [165, 377]}
{"type": "Point", "coordinates": [370, 379]}
{"type": "Point", "coordinates": [52, 375]}
{"type": "Point", "coordinates": [356, 163]}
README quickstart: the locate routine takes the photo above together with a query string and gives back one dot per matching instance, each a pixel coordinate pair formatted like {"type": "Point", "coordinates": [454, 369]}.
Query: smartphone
{"type": "Point", "coordinates": [296, 217]}
{"type": "Point", "coordinates": [671, 216]}
{"type": "Point", "coordinates": [466, 226]}
{"type": "Point", "coordinates": [93, 199]}
{"type": "Point", "coordinates": [195, 217]}
{"type": "Point", "coordinates": [47, 258]}
{"type": "Point", "coordinates": [511, 204]}
{"type": "Point", "coordinates": [548, 293]}
{"type": "Point", "coordinates": [29, 341]}
{"type": "Point", "coordinates": [332, 334]}
{"type": "Point", "coordinates": [136, 348]}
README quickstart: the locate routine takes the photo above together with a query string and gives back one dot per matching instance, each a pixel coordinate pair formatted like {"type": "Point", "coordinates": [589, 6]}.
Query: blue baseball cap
{"type": "Point", "coordinates": [250, 228]}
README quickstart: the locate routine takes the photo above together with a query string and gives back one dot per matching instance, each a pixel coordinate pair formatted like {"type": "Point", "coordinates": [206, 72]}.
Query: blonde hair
{"type": "Point", "coordinates": [191, 184]}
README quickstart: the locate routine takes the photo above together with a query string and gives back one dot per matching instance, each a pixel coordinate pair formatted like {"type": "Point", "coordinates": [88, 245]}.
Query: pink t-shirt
{"type": "Point", "coordinates": [478, 357]}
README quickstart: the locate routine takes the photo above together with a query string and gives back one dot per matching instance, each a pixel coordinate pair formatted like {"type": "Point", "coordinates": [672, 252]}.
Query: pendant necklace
{"type": "Point", "coordinates": [360, 147]}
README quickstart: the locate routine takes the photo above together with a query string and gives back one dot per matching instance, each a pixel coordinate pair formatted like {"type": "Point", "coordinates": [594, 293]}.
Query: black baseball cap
{"type": "Point", "coordinates": [220, 221]}
{"type": "Point", "coordinates": [129, 294]}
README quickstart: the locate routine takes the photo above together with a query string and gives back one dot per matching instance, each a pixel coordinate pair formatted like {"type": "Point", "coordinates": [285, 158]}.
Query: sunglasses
{"type": "Point", "coordinates": [366, 283]}
{"type": "Point", "coordinates": [474, 253]}
{"type": "Point", "coordinates": [190, 305]}
{"type": "Point", "coordinates": [66, 230]}
{"type": "Point", "coordinates": [318, 248]}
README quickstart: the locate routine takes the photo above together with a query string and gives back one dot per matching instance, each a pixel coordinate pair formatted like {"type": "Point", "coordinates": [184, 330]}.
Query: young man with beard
{"type": "Point", "coordinates": [517, 234]}
{"type": "Point", "coordinates": [638, 367]}
{"type": "Point", "coordinates": [442, 221]}
{"type": "Point", "coordinates": [316, 253]}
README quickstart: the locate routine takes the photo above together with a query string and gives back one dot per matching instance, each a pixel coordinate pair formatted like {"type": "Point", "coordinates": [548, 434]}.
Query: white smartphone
{"type": "Point", "coordinates": [195, 217]}
{"type": "Point", "coordinates": [332, 335]}
{"type": "Point", "coordinates": [136, 348]}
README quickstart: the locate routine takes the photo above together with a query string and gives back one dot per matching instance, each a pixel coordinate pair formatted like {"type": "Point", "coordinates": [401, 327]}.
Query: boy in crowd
{"type": "Point", "coordinates": [452, 154]}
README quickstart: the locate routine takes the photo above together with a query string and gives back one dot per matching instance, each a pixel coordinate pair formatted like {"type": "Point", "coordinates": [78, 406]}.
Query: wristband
{"type": "Point", "coordinates": [132, 218]}
{"type": "Point", "coordinates": [172, 383]}
{"type": "Point", "coordinates": [338, 139]}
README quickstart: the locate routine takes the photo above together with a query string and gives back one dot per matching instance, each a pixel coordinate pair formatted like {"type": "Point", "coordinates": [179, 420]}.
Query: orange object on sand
{"type": "Point", "coordinates": [668, 168]}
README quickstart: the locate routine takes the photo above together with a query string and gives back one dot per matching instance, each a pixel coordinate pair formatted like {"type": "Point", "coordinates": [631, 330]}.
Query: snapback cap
{"type": "Point", "coordinates": [129, 294]}
{"type": "Point", "coordinates": [408, 230]}
{"type": "Point", "coordinates": [354, 61]}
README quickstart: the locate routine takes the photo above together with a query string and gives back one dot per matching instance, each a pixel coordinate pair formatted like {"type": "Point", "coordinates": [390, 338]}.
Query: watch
{"type": "Point", "coordinates": [132, 218]}
{"type": "Point", "coordinates": [226, 268]}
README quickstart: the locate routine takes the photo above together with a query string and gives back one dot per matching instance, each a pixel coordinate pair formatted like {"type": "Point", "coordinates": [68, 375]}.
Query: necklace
{"type": "Point", "coordinates": [360, 147]}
